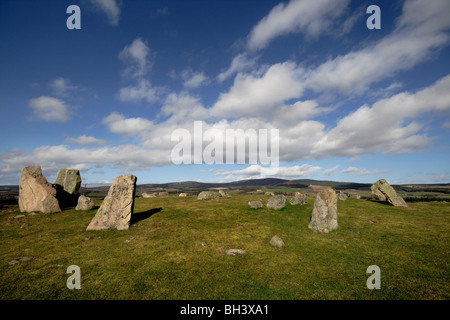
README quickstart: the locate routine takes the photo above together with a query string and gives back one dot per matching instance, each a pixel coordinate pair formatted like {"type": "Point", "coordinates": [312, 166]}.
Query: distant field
{"type": "Point", "coordinates": [175, 249]}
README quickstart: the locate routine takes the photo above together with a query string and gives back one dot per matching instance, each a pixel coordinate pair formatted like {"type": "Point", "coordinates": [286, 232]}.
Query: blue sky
{"type": "Point", "coordinates": [349, 103]}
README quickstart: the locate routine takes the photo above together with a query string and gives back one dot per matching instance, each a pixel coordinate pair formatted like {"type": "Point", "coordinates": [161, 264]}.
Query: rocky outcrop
{"type": "Point", "coordinates": [35, 193]}
{"type": "Point", "coordinates": [116, 209]}
{"type": "Point", "coordinates": [324, 215]}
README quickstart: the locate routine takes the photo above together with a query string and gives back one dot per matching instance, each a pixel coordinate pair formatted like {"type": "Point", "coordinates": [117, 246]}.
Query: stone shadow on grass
{"type": "Point", "coordinates": [136, 217]}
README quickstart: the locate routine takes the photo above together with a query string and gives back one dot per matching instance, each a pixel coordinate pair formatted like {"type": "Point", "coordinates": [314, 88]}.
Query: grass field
{"type": "Point", "coordinates": [175, 249]}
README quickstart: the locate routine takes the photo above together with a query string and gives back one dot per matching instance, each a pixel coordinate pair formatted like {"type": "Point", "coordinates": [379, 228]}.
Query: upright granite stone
{"type": "Point", "coordinates": [35, 193]}
{"type": "Point", "coordinates": [300, 198]}
{"type": "Point", "coordinates": [324, 215]}
{"type": "Point", "coordinates": [276, 202]}
{"type": "Point", "coordinates": [67, 185]}
{"type": "Point", "coordinates": [382, 191]}
{"type": "Point", "coordinates": [69, 180]}
{"type": "Point", "coordinates": [116, 209]}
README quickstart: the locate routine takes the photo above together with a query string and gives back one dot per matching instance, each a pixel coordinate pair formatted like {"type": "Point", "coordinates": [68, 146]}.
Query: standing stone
{"type": "Point", "coordinates": [300, 198]}
{"type": "Point", "coordinates": [206, 195]}
{"type": "Point", "coordinates": [382, 191]}
{"type": "Point", "coordinates": [67, 186]}
{"type": "Point", "coordinates": [324, 215]}
{"type": "Point", "coordinates": [69, 180]}
{"type": "Point", "coordinates": [85, 203]}
{"type": "Point", "coordinates": [116, 209]}
{"type": "Point", "coordinates": [276, 202]}
{"type": "Point", "coordinates": [35, 193]}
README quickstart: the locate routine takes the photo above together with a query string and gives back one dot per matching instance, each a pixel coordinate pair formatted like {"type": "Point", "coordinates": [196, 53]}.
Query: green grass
{"type": "Point", "coordinates": [179, 252]}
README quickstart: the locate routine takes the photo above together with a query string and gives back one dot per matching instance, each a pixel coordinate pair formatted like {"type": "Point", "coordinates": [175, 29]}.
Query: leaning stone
{"type": "Point", "coordinates": [276, 202]}
{"type": "Point", "coordinates": [116, 209]}
{"type": "Point", "coordinates": [298, 199]}
{"type": "Point", "coordinates": [35, 193]}
{"type": "Point", "coordinates": [255, 204]}
{"type": "Point", "coordinates": [382, 191]}
{"type": "Point", "coordinates": [324, 215]}
{"type": "Point", "coordinates": [276, 242]}
{"type": "Point", "coordinates": [85, 203]}
{"type": "Point", "coordinates": [206, 195]}
{"type": "Point", "coordinates": [69, 180]}
{"type": "Point", "coordinates": [235, 252]}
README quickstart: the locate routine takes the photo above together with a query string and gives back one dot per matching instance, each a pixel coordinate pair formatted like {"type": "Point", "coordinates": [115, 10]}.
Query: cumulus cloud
{"type": "Point", "coordinates": [110, 8]}
{"type": "Point", "coordinates": [252, 94]}
{"type": "Point", "coordinates": [257, 171]}
{"type": "Point", "coordinates": [85, 140]}
{"type": "Point", "coordinates": [308, 16]}
{"type": "Point", "coordinates": [137, 57]}
{"type": "Point", "coordinates": [385, 126]}
{"type": "Point", "coordinates": [117, 123]}
{"type": "Point", "coordinates": [420, 30]}
{"type": "Point", "coordinates": [49, 109]}
{"type": "Point", "coordinates": [141, 91]}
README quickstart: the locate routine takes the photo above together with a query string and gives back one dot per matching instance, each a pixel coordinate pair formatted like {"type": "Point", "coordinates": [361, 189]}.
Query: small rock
{"type": "Point", "coordinates": [127, 241]}
{"type": "Point", "coordinates": [19, 216]}
{"type": "Point", "coordinates": [368, 221]}
{"type": "Point", "coordinates": [182, 194]}
{"type": "Point", "coordinates": [32, 214]}
{"type": "Point", "coordinates": [22, 259]}
{"type": "Point", "coordinates": [276, 242]}
{"type": "Point", "coordinates": [255, 204]}
{"type": "Point", "coordinates": [276, 202]}
{"type": "Point", "coordinates": [235, 252]}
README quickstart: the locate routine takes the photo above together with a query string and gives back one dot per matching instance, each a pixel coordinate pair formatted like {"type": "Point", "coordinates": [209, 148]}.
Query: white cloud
{"type": "Point", "coordinates": [62, 87]}
{"type": "Point", "coordinates": [193, 79]}
{"type": "Point", "coordinates": [329, 172]}
{"type": "Point", "coordinates": [421, 29]}
{"type": "Point", "coordinates": [84, 140]}
{"type": "Point", "coordinates": [137, 57]}
{"type": "Point", "coordinates": [49, 109]}
{"type": "Point", "coordinates": [143, 90]}
{"type": "Point", "coordinates": [257, 171]}
{"type": "Point", "coordinates": [354, 171]}
{"type": "Point", "coordinates": [252, 95]}
{"type": "Point", "coordinates": [110, 8]}
{"type": "Point", "coordinates": [384, 126]}
{"type": "Point", "coordinates": [117, 123]}
{"type": "Point", "coordinates": [239, 63]}
{"type": "Point", "coordinates": [308, 16]}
